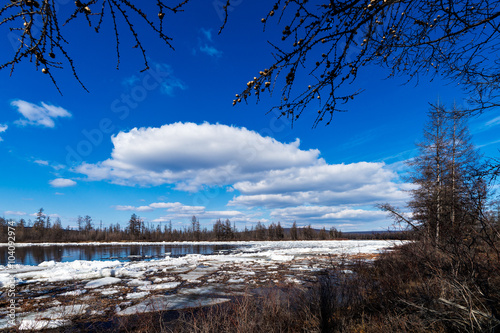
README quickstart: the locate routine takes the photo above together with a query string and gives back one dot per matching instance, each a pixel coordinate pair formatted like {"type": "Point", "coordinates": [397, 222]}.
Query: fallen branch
{"type": "Point", "coordinates": [461, 307]}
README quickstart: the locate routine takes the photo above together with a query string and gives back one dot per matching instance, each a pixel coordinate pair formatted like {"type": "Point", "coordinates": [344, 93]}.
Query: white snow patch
{"type": "Point", "coordinates": [106, 281]}
{"type": "Point", "coordinates": [51, 318]}
{"type": "Point", "coordinates": [74, 292]}
{"type": "Point", "coordinates": [110, 291]}
{"type": "Point", "coordinates": [36, 325]}
{"type": "Point", "coordinates": [170, 302]}
{"type": "Point", "coordinates": [137, 295]}
{"type": "Point", "coordinates": [167, 285]}
{"type": "Point", "coordinates": [137, 283]}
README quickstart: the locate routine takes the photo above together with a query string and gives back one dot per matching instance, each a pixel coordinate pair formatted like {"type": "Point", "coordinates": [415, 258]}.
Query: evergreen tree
{"type": "Point", "coordinates": [293, 231]}
{"type": "Point", "coordinates": [134, 226]}
{"type": "Point", "coordinates": [39, 224]}
{"type": "Point", "coordinates": [280, 232]}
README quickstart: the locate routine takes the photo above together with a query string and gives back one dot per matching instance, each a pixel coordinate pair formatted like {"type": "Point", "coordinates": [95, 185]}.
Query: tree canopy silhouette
{"type": "Point", "coordinates": [326, 44]}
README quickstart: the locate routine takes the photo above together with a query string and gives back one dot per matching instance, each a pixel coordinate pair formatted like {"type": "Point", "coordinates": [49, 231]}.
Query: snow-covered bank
{"type": "Point", "coordinates": [130, 287]}
{"type": "Point", "coordinates": [277, 244]}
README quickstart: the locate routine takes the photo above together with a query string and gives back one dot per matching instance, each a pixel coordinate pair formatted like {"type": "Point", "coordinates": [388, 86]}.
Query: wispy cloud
{"type": "Point", "coordinates": [493, 122]}
{"type": "Point", "coordinates": [207, 33]}
{"type": "Point", "coordinates": [159, 76]}
{"type": "Point", "coordinates": [131, 81]}
{"type": "Point", "coordinates": [38, 115]}
{"type": "Point", "coordinates": [53, 165]}
{"type": "Point", "coordinates": [133, 208]}
{"type": "Point", "coordinates": [178, 211]}
{"type": "Point", "coordinates": [206, 44]}
{"type": "Point", "coordinates": [169, 82]}
{"type": "Point", "coordinates": [41, 162]}
{"type": "Point", "coordinates": [62, 182]}
{"type": "Point", "coordinates": [488, 143]}
{"type": "Point", "coordinates": [211, 51]}
{"type": "Point", "coordinates": [15, 213]}
{"type": "Point", "coordinates": [3, 128]}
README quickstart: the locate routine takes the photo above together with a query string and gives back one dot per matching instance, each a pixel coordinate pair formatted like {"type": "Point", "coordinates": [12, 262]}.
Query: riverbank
{"type": "Point", "coordinates": [56, 294]}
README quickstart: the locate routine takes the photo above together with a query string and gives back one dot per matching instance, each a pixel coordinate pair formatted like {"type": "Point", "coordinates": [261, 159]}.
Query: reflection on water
{"type": "Point", "coordinates": [34, 255]}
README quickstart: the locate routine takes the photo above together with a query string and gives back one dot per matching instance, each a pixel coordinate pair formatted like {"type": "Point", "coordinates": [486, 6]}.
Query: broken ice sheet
{"type": "Point", "coordinates": [170, 302]}
{"type": "Point", "coordinates": [106, 281]}
{"type": "Point", "coordinates": [167, 285]}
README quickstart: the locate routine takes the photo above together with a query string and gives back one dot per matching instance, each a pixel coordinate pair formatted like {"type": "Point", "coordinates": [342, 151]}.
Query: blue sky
{"type": "Point", "coordinates": [168, 144]}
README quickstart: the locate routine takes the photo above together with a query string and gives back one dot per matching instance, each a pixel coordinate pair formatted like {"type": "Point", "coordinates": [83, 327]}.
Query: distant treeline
{"type": "Point", "coordinates": [43, 229]}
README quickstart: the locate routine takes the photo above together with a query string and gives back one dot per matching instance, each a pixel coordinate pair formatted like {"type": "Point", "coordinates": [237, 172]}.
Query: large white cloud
{"type": "Point", "coordinates": [338, 178]}
{"type": "Point", "coordinates": [40, 115]}
{"type": "Point", "coordinates": [191, 155]}
{"type": "Point", "coordinates": [355, 184]}
{"type": "Point", "coordinates": [290, 183]}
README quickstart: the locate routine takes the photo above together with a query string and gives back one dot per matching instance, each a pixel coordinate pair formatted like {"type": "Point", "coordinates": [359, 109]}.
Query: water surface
{"type": "Point", "coordinates": [34, 255]}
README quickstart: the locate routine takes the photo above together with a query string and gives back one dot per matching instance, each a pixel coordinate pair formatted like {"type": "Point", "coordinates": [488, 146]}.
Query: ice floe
{"type": "Point", "coordinates": [165, 283]}
{"type": "Point", "coordinates": [106, 281]}
{"type": "Point", "coordinates": [170, 302]}
{"type": "Point", "coordinates": [160, 286]}
{"type": "Point", "coordinates": [51, 318]}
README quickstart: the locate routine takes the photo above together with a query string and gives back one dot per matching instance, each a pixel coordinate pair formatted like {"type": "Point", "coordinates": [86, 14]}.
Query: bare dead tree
{"type": "Point", "coordinates": [451, 191]}
{"type": "Point", "coordinates": [457, 234]}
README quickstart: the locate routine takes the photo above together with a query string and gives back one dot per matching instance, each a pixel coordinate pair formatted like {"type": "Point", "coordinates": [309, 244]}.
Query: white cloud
{"type": "Point", "coordinates": [260, 171]}
{"type": "Point", "coordinates": [211, 51]}
{"type": "Point", "coordinates": [343, 217]}
{"type": "Point", "coordinates": [493, 122]}
{"type": "Point", "coordinates": [42, 115]}
{"type": "Point", "coordinates": [338, 178]}
{"type": "Point", "coordinates": [58, 167]}
{"type": "Point", "coordinates": [191, 155]}
{"type": "Point", "coordinates": [205, 44]}
{"type": "Point", "coordinates": [326, 213]}
{"type": "Point", "coordinates": [132, 208]}
{"type": "Point", "coordinates": [169, 82]}
{"type": "Point", "coordinates": [3, 128]}
{"type": "Point", "coordinates": [179, 211]}
{"type": "Point", "coordinates": [186, 212]}
{"type": "Point", "coordinates": [355, 184]}
{"type": "Point", "coordinates": [62, 182]}
{"type": "Point", "coordinates": [207, 33]}
{"type": "Point", "coordinates": [16, 213]}
{"type": "Point", "coordinates": [41, 162]}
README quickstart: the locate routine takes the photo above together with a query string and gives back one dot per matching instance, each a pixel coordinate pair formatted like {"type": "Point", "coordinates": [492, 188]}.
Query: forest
{"type": "Point", "coordinates": [42, 229]}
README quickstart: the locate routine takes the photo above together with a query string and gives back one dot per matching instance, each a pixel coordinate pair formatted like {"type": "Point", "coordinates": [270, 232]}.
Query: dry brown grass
{"type": "Point", "coordinates": [416, 288]}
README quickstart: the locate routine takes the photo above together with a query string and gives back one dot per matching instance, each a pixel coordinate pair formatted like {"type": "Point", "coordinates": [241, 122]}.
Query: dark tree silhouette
{"type": "Point", "coordinates": [38, 28]}
{"type": "Point", "coordinates": [323, 47]}
{"type": "Point", "coordinates": [451, 193]}
{"type": "Point", "coordinates": [331, 43]}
